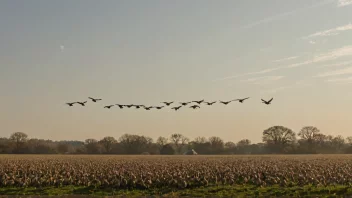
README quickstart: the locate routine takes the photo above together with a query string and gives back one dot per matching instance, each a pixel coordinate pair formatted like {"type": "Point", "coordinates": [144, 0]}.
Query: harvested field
{"type": "Point", "coordinates": [174, 172]}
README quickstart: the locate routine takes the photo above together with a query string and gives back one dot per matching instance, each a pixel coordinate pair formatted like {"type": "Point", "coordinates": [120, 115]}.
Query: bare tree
{"type": "Point", "coordinates": [244, 142]}
{"type": "Point", "coordinates": [200, 140]}
{"type": "Point", "coordinates": [349, 140]}
{"type": "Point", "coordinates": [135, 144]}
{"type": "Point", "coordinates": [93, 146]}
{"type": "Point", "coordinates": [149, 140]}
{"type": "Point", "coordinates": [184, 140]}
{"type": "Point", "coordinates": [320, 139]}
{"type": "Point", "coordinates": [176, 138]}
{"type": "Point", "coordinates": [338, 142]}
{"type": "Point", "coordinates": [19, 138]}
{"type": "Point", "coordinates": [309, 135]}
{"type": "Point", "coordinates": [217, 144]}
{"type": "Point", "coordinates": [108, 143]}
{"type": "Point", "coordinates": [179, 140]}
{"type": "Point", "coordinates": [278, 138]}
{"type": "Point", "coordinates": [243, 146]}
{"type": "Point", "coordinates": [200, 145]}
{"type": "Point", "coordinates": [230, 145]}
{"type": "Point", "coordinates": [216, 141]}
{"type": "Point", "coordinates": [162, 141]}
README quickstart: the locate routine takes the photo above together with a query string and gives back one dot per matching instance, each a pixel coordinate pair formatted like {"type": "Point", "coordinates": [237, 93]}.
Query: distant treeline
{"type": "Point", "coordinates": [276, 140]}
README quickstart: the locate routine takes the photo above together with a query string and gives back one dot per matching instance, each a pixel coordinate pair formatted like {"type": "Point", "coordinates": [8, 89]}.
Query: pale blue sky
{"type": "Point", "coordinates": [145, 52]}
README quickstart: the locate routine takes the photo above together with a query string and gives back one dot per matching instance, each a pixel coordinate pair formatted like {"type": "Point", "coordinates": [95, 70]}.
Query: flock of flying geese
{"type": "Point", "coordinates": [121, 106]}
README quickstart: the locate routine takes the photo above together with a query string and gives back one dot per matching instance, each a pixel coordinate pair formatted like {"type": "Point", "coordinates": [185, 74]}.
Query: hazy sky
{"type": "Point", "coordinates": [145, 52]}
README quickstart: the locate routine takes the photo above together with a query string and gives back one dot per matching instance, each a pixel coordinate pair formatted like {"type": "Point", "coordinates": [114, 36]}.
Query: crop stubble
{"type": "Point", "coordinates": [145, 172]}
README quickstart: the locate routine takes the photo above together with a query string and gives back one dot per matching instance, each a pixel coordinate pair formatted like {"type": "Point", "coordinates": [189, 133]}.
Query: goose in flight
{"type": "Point", "coordinates": [210, 103]}
{"type": "Point", "coordinates": [94, 100]}
{"type": "Point", "coordinates": [71, 103]}
{"type": "Point", "coordinates": [176, 108]}
{"type": "Point", "coordinates": [200, 101]}
{"type": "Point", "coordinates": [129, 106]}
{"type": "Point", "coordinates": [225, 103]}
{"type": "Point", "coordinates": [184, 103]}
{"type": "Point", "coordinates": [120, 105]}
{"type": "Point", "coordinates": [109, 106]}
{"type": "Point", "coordinates": [148, 108]}
{"type": "Point", "coordinates": [82, 103]}
{"type": "Point", "coordinates": [138, 106]}
{"type": "Point", "coordinates": [267, 102]}
{"type": "Point", "coordinates": [167, 103]}
{"type": "Point", "coordinates": [194, 106]}
{"type": "Point", "coordinates": [159, 107]}
{"type": "Point", "coordinates": [241, 100]}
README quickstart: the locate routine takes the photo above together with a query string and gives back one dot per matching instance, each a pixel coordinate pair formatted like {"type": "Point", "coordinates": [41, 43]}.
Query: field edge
{"type": "Point", "coordinates": [218, 191]}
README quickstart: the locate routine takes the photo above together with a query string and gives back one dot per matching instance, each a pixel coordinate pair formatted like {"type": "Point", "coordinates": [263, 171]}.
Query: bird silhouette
{"type": "Point", "coordinates": [148, 108]}
{"type": "Point", "coordinates": [184, 103]}
{"type": "Point", "coordinates": [159, 107]}
{"type": "Point", "coordinates": [120, 105]}
{"type": "Point", "coordinates": [138, 106]}
{"type": "Point", "coordinates": [210, 103]}
{"type": "Point", "coordinates": [241, 100]}
{"type": "Point", "coordinates": [267, 102]}
{"type": "Point", "coordinates": [168, 103]}
{"type": "Point", "coordinates": [225, 103]}
{"type": "Point", "coordinates": [176, 108]}
{"type": "Point", "coordinates": [71, 103]}
{"type": "Point", "coordinates": [194, 106]}
{"type": "Point", "coordinates": [82, 103]}
{"type": "Point", "coordinates": [109, 106]}
{"type": "Point", "coordinates": [94, 100]}
{"type": "Point", "coordinates": [129, 106]}
{"type": "Point", "coordinates": [200, 101]}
